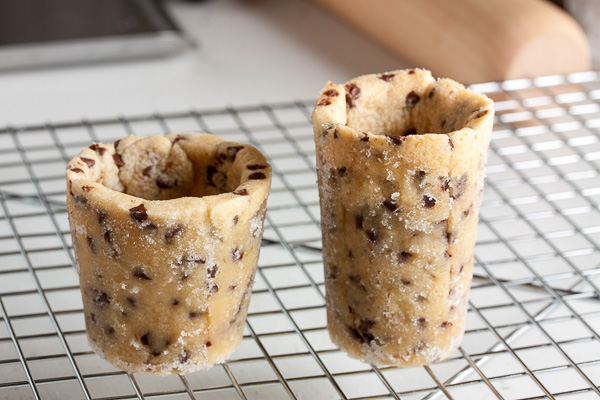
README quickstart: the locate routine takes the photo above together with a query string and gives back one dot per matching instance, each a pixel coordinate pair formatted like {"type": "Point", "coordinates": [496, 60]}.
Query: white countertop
{"type": "Point", "coordinates": [247, 52]}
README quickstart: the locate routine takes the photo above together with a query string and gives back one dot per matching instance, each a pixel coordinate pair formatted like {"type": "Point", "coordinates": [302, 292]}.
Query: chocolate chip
{"type": "Point", "coordinates": [396, 139]}
{"type": "Point", "coordinates": [257, 176]}
{"type": "Point", "coordinates": [403, 257]}
{"type": "Point", "coordinates": [175, 302]}
{"type": "Point", "coordinates": [254, 167]}
{"type": "Point", "coordinates": [210, 171]}
{"type": "Point", "coordinates": [387, 77]}
{"type": "Point", "coordinates": [446, 324]}
{"type": "Point", "coordinates": [178, 138]}
{"type": "Point", "coordinates": [332, 272]}
{"type": "Point", "coordinates": [428, 201]}
{"type": "Point", "coordinates": [359, 221]}
{"type": "Point", "coordinates": [420, 347]}
{"type": "Point", "coordinates": [108, 236]}
{"type": "Point", "coordinates": [87, 188]}
{"type": "Point", "coordinates": [449, 236]}
{"type": "Point", "coordinates": [166, 182]}
{"type": "Point", "coordinates": [420, 175]}
{"type": "Point", "coordinates": [81, 200]}
{"type": "Point", "coordinates": [196, 314]}
{"type": "Point", "coordinates": [411, 72]}
{"type": "Point", "coordinates": [185, 356]}
{"type": "Point", "coordinates": [335, 133]}
{"type": "Point", "coordinates": [116, 143]}
{"type": "Point", "coordinates": [373, 234]}
{"type": "Point", "coordinates": [241, 192]}
{"type": "Point", "coordinates": [208, 344]}
{"type": "Point", "coordinates": [98, 149]}
{"type": "Point", "coordinates": [410, 132]}
{"type": "Point", "coordinates": [186, 259]}
{"type": "Point", "coordinates": [422, 323]}
{"type": "Point", "coordinates": [141, 274]}
{"type": "Point", "coordinates": [118, 160]}
{"type": "Point", "coordinates": [138, 213]}
{"type": "Point", "coordinates": [236, 219]}
{"type": "Point", "coordinates": [110, 330]}
{"type": "Point", "coordinates": [363, 331]}
{"type": "Point", "coordinates": [431, 92]}
{"type": "Point", "coordinates": [145, 339]}
{"type": "Point", "coordinates": [214, 289]}
{"type": "Point", "coordinates": [365, 137]}
{"type": "Point", "coordinates": [460, 187]}
{"type": "Point", "coordinates": [390, 205]}
{"type": "Point", "coordinates": [212, 272]}
{"type": "Point", "coordinates": [481, 114]}
{"type": "Point", "coordinates": [236, 254]}
{"type": "Point", "coordinates": [101, 217]}
{"type": "Point", "coordinates": [352, 93]}
{"type": "Point", "coordinates": [100, 298]}
{"type": "Point", "coordinates": [412, 99]}
{"type": "Point", "coordinates": [131, 300]}
{"type": "Point", "coordinates": [342, 171]}
{"type": "Point", "coordinates": [90, 242]}
{"type": "Point", "coordinates": [324, 101]}
{"type": "Point", "coordinates": [445, 183]}
{"type": "Point", "coordinates": [460, 270]}
{"type": "Point", "coordinates": [89, 162]}
{"type": "Point", "coordinates": [77, 170]}
{"type": "Point", "coordinates": [406, 282]}
{"type": "Point", "coordinates": [467, 211]}
{"type": "Point", "coordinates": [447, 255]}
{"type": "Point", "coordinates": [173, 233]}
{"type": "Point", "coordinates": [331, 93]}
{"type": "Point", "coordinates": [232, 152]}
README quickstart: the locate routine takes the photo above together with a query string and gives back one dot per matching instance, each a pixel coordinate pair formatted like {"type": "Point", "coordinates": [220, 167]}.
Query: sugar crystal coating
{"type": "Point", "coordinates": [159, 226]}
{"type": "Point", "coordinates": [400, 161]}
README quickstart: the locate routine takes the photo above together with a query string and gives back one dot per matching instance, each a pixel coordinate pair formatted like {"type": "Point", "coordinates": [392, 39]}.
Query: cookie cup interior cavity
{"type": "Point", "coordinates": [401, 164]}
{"type": "Point", "coordinates": [166, 233]}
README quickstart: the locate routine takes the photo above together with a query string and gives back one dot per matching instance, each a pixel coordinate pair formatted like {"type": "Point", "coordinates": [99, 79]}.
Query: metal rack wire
{"type": "Point", "coordinates": [534, 319]}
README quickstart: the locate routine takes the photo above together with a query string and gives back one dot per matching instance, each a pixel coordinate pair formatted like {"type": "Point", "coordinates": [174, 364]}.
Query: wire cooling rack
{"type": "Point", "coordinates": [534, 319]}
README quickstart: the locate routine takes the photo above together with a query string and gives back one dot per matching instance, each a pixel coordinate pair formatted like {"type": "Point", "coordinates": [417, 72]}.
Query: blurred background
{"type": "Point", "coordinates": [66, 59]}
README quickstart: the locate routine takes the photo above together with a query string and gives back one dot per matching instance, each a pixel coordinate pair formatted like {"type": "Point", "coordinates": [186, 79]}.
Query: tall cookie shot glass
{"type": "Point", "coordinates": [400, 160]}
{"type": "Point", "coordinates": [166, 233]}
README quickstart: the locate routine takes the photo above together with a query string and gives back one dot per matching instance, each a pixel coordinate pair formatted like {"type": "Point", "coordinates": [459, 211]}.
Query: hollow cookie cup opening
{"type": "Point", "coordinates": [166, 232]}
{"type": "Point", "coordinates": [400, 161]}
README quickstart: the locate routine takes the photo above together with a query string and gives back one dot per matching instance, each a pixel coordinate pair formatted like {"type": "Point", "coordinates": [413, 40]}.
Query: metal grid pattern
{"type": "Point", "coordinates": [534, 318]}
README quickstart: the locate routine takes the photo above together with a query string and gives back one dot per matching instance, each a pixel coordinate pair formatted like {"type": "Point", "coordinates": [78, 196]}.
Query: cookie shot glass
{"type": "Point", "coordinates": [401, 163]}
{"type": "Point", "coordinates": [166, 233]}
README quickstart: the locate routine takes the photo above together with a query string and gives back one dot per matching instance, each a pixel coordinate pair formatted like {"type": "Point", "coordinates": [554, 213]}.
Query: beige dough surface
{"type": "Point", "coordinates": [400, 160]}
{"type": "Point", "coordinates": [166, 233]}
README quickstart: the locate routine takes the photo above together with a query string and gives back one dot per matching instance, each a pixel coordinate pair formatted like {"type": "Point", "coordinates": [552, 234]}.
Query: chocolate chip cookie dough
{"type": "Point", "coordinates": [166, 233]}
{"type": "Point", "coordinates": [400, 160]}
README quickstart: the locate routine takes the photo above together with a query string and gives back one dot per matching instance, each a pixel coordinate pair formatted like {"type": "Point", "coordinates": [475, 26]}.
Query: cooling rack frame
{"type": "Point", "coordinates": [534, 312]}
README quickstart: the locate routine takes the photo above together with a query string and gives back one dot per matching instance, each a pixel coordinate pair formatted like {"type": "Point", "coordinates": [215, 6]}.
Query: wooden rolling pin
{"type": "Point", "coordinates": [473, 40]}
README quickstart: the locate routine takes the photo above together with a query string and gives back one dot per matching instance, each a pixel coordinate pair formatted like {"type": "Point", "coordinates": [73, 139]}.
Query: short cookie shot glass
{"type": "Point", "coordinates": [401, 162]}
{"type": "Point", "coordinates": [166, 234]}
